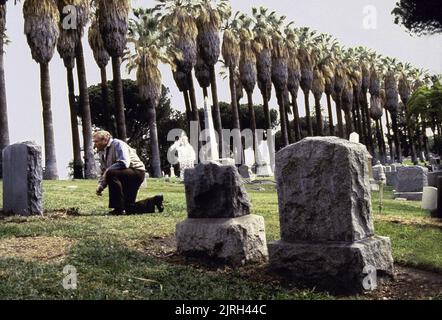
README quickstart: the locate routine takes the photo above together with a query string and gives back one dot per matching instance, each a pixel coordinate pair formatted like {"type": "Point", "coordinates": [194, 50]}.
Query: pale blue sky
{"type": "Point", "coordinates": [341, 18]}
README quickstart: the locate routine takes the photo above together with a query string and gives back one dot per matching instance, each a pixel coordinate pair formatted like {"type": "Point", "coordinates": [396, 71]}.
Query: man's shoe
{"type": "Point", "coordinates": [159, 202]}
{"type": "Point", "coordinates": [117, 212]}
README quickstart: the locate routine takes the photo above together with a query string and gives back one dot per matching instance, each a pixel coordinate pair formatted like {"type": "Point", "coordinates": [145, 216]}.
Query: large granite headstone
{"type": "Point", "coordinates": [22, 179]}
{"type": "Point", "coordinates": [433, 177]}
{"type": "Point", "coordinates": [327, 233]}
{"type": "Point", "coordinates": [411, 182]}
{"type": "Point", "coordinates": [219, 224]}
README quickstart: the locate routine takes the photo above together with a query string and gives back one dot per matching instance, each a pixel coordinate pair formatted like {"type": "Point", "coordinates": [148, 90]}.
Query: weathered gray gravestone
{"type": "Point", "coordinates": [22, 179]}
{"type": "Point", "coordinates": [219, 224]}
{"type": "Point", "coordinates": [433, 177]}
{"type": "Point", "coordinates": [411, 182]}
{"type": "Point", "coordinates": [327, 233]}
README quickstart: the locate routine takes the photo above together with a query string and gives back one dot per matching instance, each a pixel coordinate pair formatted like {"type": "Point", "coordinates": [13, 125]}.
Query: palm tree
{"type": "Point", "coordinates": [339, 82]}
{"type": "Point", "coordinates": [231, 52]}
{"type": "Point", "coordinates": [247, 67]}
{"type": "Point", "coordinates": [404, 88]}
{"type": "Point", "coordinates": [113, 18]}
{"type": "Point", "coordinates": [280, 56]}
{"type": "Point", "coordinates": [179, 14]}
{"type": "Point", "coordinates": [41, 29]}
{"type": "Point", "coordinates": [376, 108]}
{"type": "Point", "coordinates": [392, 103]}
{"type": "Point", "coordinates": [263, 47]}
{"type": "Point", "coordinates": [212, 13]}
{"type": "Point", "coordinates": [294, 77]}
{"type": "Point", "coordinates": [4, 129]}
{"type": "Point", "coordinates": [307, 62]}
{"type": "Point", "coordinates": [82, 18]}
{"type": "Point", "coordinates": [102, 58]}
{"type": "Point", "coordinates": [152, 45]}
{"type": "Point", "coordinates": [66, 48]}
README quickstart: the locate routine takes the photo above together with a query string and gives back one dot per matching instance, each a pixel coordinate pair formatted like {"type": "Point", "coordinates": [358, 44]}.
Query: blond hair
{"type": "Point", "coordinates": [104, 135]}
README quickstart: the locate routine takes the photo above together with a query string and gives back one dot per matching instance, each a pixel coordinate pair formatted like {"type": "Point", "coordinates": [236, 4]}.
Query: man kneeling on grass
{"type": "Point", "coordinates": [123, 171]}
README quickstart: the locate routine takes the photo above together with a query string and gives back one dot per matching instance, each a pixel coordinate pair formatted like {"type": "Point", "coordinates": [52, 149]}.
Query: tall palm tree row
{"type": "Point", "coordinates": [152, 44]}
{"type": "Point", "coordinates": [4, 129]}
{"type": "Point", "coordinates": [42, 31]}
{"type": "Point", "coordinates": [113, 16]}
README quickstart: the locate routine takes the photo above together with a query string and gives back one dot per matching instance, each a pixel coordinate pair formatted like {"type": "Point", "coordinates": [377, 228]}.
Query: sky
{"type": "Point", "coordinates": [352, 22]}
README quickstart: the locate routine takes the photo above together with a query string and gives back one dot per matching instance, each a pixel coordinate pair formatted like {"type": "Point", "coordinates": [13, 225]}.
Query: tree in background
{"type": "Point", "coordinates": [419, 16]}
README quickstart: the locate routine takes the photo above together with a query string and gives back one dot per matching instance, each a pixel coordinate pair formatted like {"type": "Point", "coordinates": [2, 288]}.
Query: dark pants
{"type": "Point", "coordinates": [123, 187]}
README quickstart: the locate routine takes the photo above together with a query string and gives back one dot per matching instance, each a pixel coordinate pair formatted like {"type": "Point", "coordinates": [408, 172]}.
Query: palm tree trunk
{"type": "Point", "coordinates": [205, 93]}
{"type": "Point", "coordinates": [235, 116]}
{"type": "Point", "coordinates": [252, 117]}
{"type": "Point", "coordinates": [296, 125]}
{"type": "Point", "coordinates": [285, 138]}
{"type": "Point", "coordinates": [330, 116]}
{"type": "Point", "coordinates": [307, 114]}
{"type": "Point", "coordinates": [155, 161]}
{"type": "Point", "coordinates": [319, 123]}
{"type": "Point", "coordinates": [425, 138]}
{"type": "Point", "coordinates": [364, 121]}
{"type": "Point", "coordinates": [287, 119]}
{"type": "Point", "coordinates": [339, 116]}
{"type": "Point", "coordinates": [383, 146]}
{"type": "Point", "coordinates": [188, 107]}
{"type": "Point", "coordinates": [390, 140]}
{"type": "Point", "coordinates": [379, 136]}
{"type": "Point", "coordinates": [4, 129]}
{"type": "Point", "coordinates": [368, 122]}
{"type": "Point", "coordinates": [412, 147]}
{"type": "Point", "coordinates": [396, 138]}
{"type": "Point", "coordinates": [268, 121]}
{"type": "Point", "coordinates": [90, 171]}
{"type": "Point", "coordinates": [76, 148]}
{"type": "Point", "coordinates": [193, 102]}
{"type": "Point", "coordinates": [119, 99]}
{"type": "Point", "coordinates": [110, 125]}
{"type": "Point", "coordinates": [360, 120]}
{"type": "Point", "coordinates": [217, 112]}
{"type": "Point", "coordinates": [50, 172]}
{"type": "Point", "coordinates": [348, 124]}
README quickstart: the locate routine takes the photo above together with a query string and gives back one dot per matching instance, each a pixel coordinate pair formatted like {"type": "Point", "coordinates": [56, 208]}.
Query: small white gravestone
{"type": "Point", "coordinates": [429, 199]}
{"type": "Point", "coordinates": [172, 172]}
{"type": "Point", "coordinates": [249, 156]}
{"type": "Point", "coordinates": [186, 155]}
{"type": "Point", "coordinates": [354, 137]}
{"type": "Point", "coordinates": [264, 169]}
{"type": "Point", "coordinates": [210, 150]}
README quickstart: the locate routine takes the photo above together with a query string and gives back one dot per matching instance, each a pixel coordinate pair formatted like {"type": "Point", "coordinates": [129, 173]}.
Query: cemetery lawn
{"type": "Point", "coordinates": [133, 257]}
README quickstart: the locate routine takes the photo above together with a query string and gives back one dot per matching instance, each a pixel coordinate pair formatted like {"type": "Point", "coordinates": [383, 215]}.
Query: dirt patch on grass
{"type": "Point", "coordinates": [42, 249]}
{"type": "Point", "coordinates": [409, 283]}
{"type": "Point", "coordinates": [412, 221]}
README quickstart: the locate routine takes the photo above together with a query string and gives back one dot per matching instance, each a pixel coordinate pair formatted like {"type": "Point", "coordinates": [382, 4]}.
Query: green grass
{"type": "Point", "coordinates": [110, 264]}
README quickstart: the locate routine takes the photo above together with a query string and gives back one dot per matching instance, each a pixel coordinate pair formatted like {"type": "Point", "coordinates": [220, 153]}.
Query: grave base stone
{"type": "Point", "coordinates": [336, 265]}
{"type": "Point", "coordinates": [235, 241]}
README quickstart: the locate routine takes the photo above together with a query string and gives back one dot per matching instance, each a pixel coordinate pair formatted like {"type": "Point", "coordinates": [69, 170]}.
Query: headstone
{"type": "Point", "coordinates": [354, 137]}
{"type": "Point", "coordinates": [264, 168]}
{"type": "Point", "coordinates": [186, 156]}
{"type": "Point", "coordinates": [438, 212]}
{"type": "Point", "coordinates": [219, 224]}
{"type": "Point", "coordinates": [327, 233]}
{"type": "Point", "coordinates": [410, 182]}
{"type": "Point", "coordinates": [249, 157]}
{"type": "Point", "coordinates": [22, 179]}
{"type": "Point", "coordinates": [172, 172]}
{"type": "Point", "coordinates": [433, 177]}
{"type": "Point", "coordinates": [429, 199]}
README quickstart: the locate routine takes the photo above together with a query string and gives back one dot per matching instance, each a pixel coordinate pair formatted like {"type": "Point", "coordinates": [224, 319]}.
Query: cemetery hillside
{"type": "Point", "coordinates": [218, 150]}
